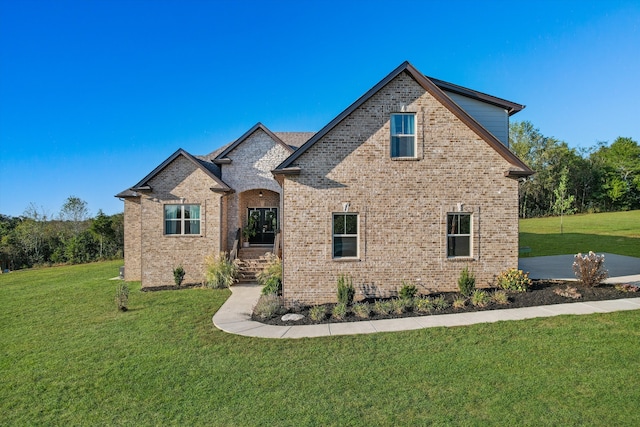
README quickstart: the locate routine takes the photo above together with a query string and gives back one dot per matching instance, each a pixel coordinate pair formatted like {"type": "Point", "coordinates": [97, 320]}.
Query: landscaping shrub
{"type": "Point", "coordinates": [361, 309]}
{"type": "Point", "coordinates": [627, 287]}
{"type": "Point", "coordinates": [440, 303]}
{"type": "Point", "coordinates": [500, 297]}
{"type": "Point", "coordinates": [268, 306]}
{"type": "Point", "coordinates": [271, 276]}
{"type": "Point", "coordinates": [399, 306]}
{"type": "Point", "coordinates": [178, 275]}
{"type": "Point", "coordinates": [408, 291]}
{"type": "Point", "coordinates": [340, 311]}
{"type": "Point", "coordinates": [423, 305]}
{"type": "Point", "coordinates": [220, 271]}
{"type": "Point", "coordinates": [569, 292]}
{"type": "Point", "coordinates": [514, 280]}
{"type": "Point", "coordinates": [346, 291]}
{"type": "Point", "coordinates": [459, 301]}
{"type": "Point", "coordinates": [318, 313]}
{"type": "Point", "coordinates": [466, 282]}
{"type": "Point", "coordinates": [589, 269]}
{"type": "Point", "coordinates": [480, 298]}
{"type": "Point", "coordinates": [122, 297]}
{"type": "Point", "coordinates": [382, 307]}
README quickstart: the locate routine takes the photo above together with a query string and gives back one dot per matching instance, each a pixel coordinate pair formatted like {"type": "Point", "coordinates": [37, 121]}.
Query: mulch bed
{"type": "Point", "coordinates": [541, 293]}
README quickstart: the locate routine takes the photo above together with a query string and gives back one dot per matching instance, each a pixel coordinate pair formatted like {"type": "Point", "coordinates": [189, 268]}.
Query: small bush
{"type": "Point", "coordinates": [589, 269]}
{"type": "Point", "coordinates": [361, 309]}
{"type": "Point", "coordinates": [220, 271]}
{"type": "Point", "coordinates": [459, 302]}
{"type": "Point", "coordinates": [569, 292]}
{"type": "Point", "coordinates": [271, 276]}
{"type": "Point", "coordinates": [500, 297]}
{"type": "Point", "coordinates": [466, 282]}
{"type": "Point", "coordinates": [382, 307]}
{"type": "Point", "coordinates": [122, 297]}
{"type": "Point", "coordinates": [318, 313]}
{"type": "Point", "coordinates": [423, 305]}
{"type": "Point", "coordinates": [627, 287]}
{"type": "Point", "coordinates": [268, 306]}
{"type": "Point", "coordinates": [399, 306]}
{"type": "Point", "coordinates": [407, 291]}
{"type": "Point", "coordinates": [514, 280]}
{"type": "Point", "coordinates": [178, 275]}
{"type": "Point", "coordinates": [346, 291]}
{"type": "Point", "coordinates": [480, 298]}
{"type": "Point", "coordinates": [340, 311]}
{"type": "Point", "coordinates": [440, 303]}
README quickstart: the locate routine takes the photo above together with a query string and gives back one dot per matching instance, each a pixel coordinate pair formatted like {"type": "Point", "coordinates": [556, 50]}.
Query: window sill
{"type": "Point", "coordinates": [461, 258]}
{"type": "Point", "coordinates": [405, 159]}
{"type": "Point", "coordinates": [182, 235]}
{"type": "Point", "coordinates": [346, 259]}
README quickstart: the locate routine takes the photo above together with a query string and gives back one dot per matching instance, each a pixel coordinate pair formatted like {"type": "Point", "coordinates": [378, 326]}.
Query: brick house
{"type": "Point", "coordinates": [412, 182]}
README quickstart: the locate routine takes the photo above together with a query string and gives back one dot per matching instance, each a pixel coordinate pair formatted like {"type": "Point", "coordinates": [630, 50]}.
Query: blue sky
{"type": "Point", "coordinates": [95, 94]}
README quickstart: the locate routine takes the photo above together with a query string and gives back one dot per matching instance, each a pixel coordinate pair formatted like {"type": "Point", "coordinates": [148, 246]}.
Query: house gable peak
{"type": "Point", "coordinates": [222, 159]}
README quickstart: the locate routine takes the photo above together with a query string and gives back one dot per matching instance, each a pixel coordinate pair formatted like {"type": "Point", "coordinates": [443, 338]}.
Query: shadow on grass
{"type": "Point", "coordinates": [573, 243]}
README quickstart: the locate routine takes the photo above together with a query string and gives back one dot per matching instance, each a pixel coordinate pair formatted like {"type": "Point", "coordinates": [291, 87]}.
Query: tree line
{"type": "Point", "coordinates": [602, 178]}
{"type": "Point", "coordinates": [72, 236]}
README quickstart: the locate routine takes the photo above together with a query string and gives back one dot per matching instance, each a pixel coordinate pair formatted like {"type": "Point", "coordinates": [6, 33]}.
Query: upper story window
{"type": "Point", "coordinates": [181, 219]}
{"type": "Point", "coordinates": [458, 235]}
{"type": "Point", "coordinates": [403, 135]}
{"type": "Point", "coordinates": [345, 235]}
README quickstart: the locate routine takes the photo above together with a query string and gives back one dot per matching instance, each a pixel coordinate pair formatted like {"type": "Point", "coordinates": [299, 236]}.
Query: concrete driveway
{"type": "Point", "coordinates": [621, 268]}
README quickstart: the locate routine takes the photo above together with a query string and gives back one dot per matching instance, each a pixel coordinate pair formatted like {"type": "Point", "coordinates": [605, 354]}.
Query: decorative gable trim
{"type": "Point", "coordinates": [437, 93]}
{"type": "Point", "coordinates": [200, 164]}
{"type": "Point", "coordinates": [222, 159]}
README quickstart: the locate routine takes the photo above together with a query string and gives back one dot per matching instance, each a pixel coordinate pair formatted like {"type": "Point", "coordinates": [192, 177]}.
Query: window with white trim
{"type": "Point", "coordinates": [181, 219]}
{"type": "Point", "coordinates": [403, 135]}
{"type": "Point", "coordinates": [345, 235]}
{"type": "Point", "coordinates": [458, 235]}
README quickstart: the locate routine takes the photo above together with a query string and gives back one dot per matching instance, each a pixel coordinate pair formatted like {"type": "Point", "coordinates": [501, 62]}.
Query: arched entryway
{"type": "Point", "coordinates": [259, 210]}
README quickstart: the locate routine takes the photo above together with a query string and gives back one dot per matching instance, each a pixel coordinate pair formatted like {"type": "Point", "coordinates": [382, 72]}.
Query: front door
{"type": "Point", "coordinates": [265, 224]}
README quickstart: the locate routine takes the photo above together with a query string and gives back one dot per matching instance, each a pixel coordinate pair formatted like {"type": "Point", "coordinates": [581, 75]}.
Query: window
{"type": "Point", "coordinates": [181, 219]}
{"type": "Point", "coordinates": [458, 235]}
{"type": "Point", "coordinates": [403, 135]}
{"type": "Point", "coordinates": [345, 235]}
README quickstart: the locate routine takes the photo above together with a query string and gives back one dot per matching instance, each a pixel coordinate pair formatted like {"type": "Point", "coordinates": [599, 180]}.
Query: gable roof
{"type": "Point", "coordinates": [431, 87]}
{"type": "Point", "coordinates": [212, 170]}
{"type": "Point", "coordinates": [222, 157]}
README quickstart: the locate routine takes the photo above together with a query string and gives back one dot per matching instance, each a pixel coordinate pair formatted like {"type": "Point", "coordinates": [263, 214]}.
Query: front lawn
{"type": "Point", "coordinates": [613, 232]}
{"type": "Point", "coordinates": [69, 358]}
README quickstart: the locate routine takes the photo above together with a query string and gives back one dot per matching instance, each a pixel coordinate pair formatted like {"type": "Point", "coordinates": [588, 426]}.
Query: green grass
{"type": "Point", "coordinates": [68, 357]}
{"type": "Point", "coordinates": [613, 232]}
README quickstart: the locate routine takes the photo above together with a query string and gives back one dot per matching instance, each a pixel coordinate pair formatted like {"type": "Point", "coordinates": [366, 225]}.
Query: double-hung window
{"type": "Point", "coordinates": [403, 135]}
{"type": "Point", "coordinates": [182, 219]}
{"type": "Point", "coordinates": [458, 235]}
{"type": "Point", "coordinates": [345, 235]}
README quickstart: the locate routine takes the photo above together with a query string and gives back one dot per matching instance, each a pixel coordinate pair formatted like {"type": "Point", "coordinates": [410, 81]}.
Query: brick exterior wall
{"type": "Point", "coordinates": [250, 171]}
{"type": "Point", "coordinates": [402, 204]}
{"type": "Point", "coordinates": [132, 240]}
{"type": "Point", "coordinates": [160, 253]}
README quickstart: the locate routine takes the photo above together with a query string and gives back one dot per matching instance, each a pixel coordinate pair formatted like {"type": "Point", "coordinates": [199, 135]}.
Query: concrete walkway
{"type": "Point", "coordinates": [235, 317]}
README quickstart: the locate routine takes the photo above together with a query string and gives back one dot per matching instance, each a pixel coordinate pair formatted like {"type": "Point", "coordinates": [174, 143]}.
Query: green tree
{"type": "Point", "coordinates": [75, 212]}
{"type": "Point", "coordinates": [102, 227]}
{"type": "Point", "coordinates": [620, 174]}
{"type": "Point", "coordinates": [563, 201]}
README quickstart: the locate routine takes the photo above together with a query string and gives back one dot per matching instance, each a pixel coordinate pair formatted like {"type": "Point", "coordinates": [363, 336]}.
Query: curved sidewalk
{"type": "Point", "coordinates": [234, 317]}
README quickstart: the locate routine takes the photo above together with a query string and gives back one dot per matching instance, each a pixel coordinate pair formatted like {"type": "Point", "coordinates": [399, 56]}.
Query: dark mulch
{"type": "Point", "coordinates": [170, 287]}
{"type": "Point", "coordinates": [541, 293]}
